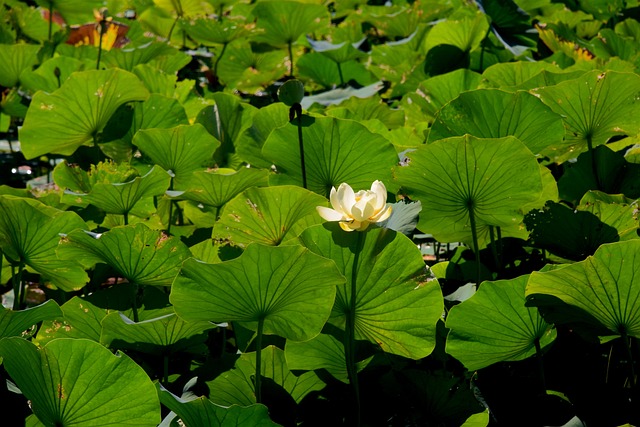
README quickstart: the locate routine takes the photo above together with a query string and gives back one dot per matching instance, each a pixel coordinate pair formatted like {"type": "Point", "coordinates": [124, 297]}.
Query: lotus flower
{"type": "Point", "coordinates": [355, 211]}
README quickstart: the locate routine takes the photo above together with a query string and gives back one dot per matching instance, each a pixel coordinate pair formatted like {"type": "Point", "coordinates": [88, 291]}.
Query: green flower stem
{"type": "Point", "coordinates": [173, 26]}
{"type": "Point", "coordinates": [18, 285]}
{"type": "Point", "coordinates": [494, 248]}
{"type": "Point", "coordinates": [594, 166]}
{"type": "Point", "coordinates": [340, 74]}
{"type": "Point", "coordinates": [298, 110]}
{"type": "Point", "coordinates": [165, 369]}
{"type": "Point", "coordinates": [474, 237]}
{"type": "Point", "coordinates": [350, 326]}
{"type": "Point", "coordinates": [543, 380]}
{"type": "Point", "coordinates": [258, 378]}
{"type": "Point", "coordinates": [215, 65]}
{"type": "Point", "coordinates": [290, 59]}
{"type": "Point", "coordinates": [126, 218]}
{"type": "Point", "coordinates": [632, 370]}
{"type": "Point", "coordinates": [134, 303]}
{"type": "Point", "coordinates": [103, 25]}
{"type": "Point", "coordinates": [500, 247]}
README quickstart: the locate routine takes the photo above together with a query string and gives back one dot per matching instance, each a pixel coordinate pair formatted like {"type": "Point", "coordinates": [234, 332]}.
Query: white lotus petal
{"type": "Point", "coordinates": [335, 201]}
{"type": "Point", "coordinates": [380, 191]}
{"type": "Point", "coordinates": [383, 214]}
{"type": "Point", "coordinates": [329, 214]}
{"type": "Point", "coordinates": [346, 197]}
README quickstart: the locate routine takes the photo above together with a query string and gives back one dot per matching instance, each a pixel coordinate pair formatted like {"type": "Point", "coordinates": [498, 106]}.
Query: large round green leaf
{"type": "Point", "coordinates": [270, 215]}
{"type": "Point", "coordinates": [437, 91]}
{"type": "Point", "coordinates": [284, 22]}
{"type": "Point", "coordinates": [137, 253]}
{"type": "Point", "coordinates": [30, 233]}
{"type": "Point", "coordinates": [250, 142]}
{"type": "Point", "coordinates": [335, 151]}
{"type": "Point", "coordinates": [226, 120]}
{"type": "Point", "coordinates": [604, 285]}
{"type": "Point", "coordinates": [288, 287]}
{"type": "Point", "coordinates": [215, 188]}
{"type": "Point", "coordinates": [396, 307]}
{"type": "Point", "coordinates": [493, 113]}
{"type": "Point", "coordinates": [181, 150]}
{"type": "Point", "coordinates": [495, 326]}
{"type": "Point", "coordinates": [82, 316]}
{"type": "Point", "coordinates": [322, 352]}
{"type": "Point", "coordinates": [235, 387]}
{"type": "Point", "coordinates": [203, 412]}
{"type": "Point", "coordinates": [466, 33]}
{"type": "Point", "coordinates": [75, 114]}
{"type": "Point", "coordinates": [156, 112]}
{"type": "Point", "coordinates": [456, 177]}
{"type": "Point", "coordinates": [135, 196]}
{"type": "Point", "coordinates": [80, 383]}
{"type": "Point", "coordinates": [14, 323]}
{"type": "Point", "coordinates": [166, 334]}
{"type": "Point", "coordinates": [595, 107]}
{"type": "Point", "coordinates": [16, 58]}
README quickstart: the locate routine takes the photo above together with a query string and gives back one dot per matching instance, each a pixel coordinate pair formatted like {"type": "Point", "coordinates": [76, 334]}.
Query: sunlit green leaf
{"type": "Point", "coordinates": [30, 232]}
{"type": "Point", "coordinates": [271, 215]}
{"type": "Point", "coordinates": [16, 58]}
{"type": "Point", "coordinates": [215, 188]}
{"type": "Point", "coordinates": [595, 107]}
{"type": "Point", "coordinates": [78, 382]}
{"type": "Point", "coordinates": [495, 326]}
{"type": "Point", "coordinates": [14, 323]}
{"type": "Point", "coordinates": [137, 253]}
{"type": "Point", "coordinates": [456, 177]}
{"type": "Point", "coordinates": [603, 285]}
{"type": "Point", "coordinates": [335, 152]}
{"type": "Point", "coordinates": [492, 113]}
{"type": "Point", "coordinates": [181, 150]}
{"type": "Point", "coordinates": [284, 22]}
{"type": "Point", "coordinates": [202, 411]}
{"type": "Point", "coordinates": [288, 287]}
{"type": "Point", "coordinates": [396, 307]}
{"type": "Point", "coordinates": [75, 114]}
{"type": "Point", "coordinates": [235, 387]}
{"type": "Point", "coordinates": [167, 334]}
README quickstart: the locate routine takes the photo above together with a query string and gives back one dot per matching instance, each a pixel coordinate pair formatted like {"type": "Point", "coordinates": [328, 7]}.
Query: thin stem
{"type": "Point", "coordinates": [474, 237]}
{"type": "Point", "coordinates": [298, 110]}
{"type": "Point", "coordinates": [258, 379]}
{"type": "Point", "coordinates": [102, 28]}
{"type": "Point", "coordinates": [134, 304]}
{"type": "Point", "coordinates": [500, 247]}
{"type": "Point", "coordinates": [543, 380]}
{"type": "Point", "coordinates": [340, 74]}
{"type": "Point", "coordinates": [290, 59]}
{"type": "Point", "coordinates": [350, 324]}
{"type": "Point", "coordinates": [126, 218]}
{"type": "Point", "coordinates": [215, 65]}
{"type": "Point", "coordinates": [482, 49]}
{"type": "Point", "coordinates": [632, 370]}
{"type": "Point", "coordinates": [17, 284]}
{"type": "Point", "coordinates": [494, 249]}
{"type": "Point", "coordinates": [594, 166]}
{"type": "Point", "coordinates": [165, 369]}
{"type": "Point", "coordinates": [217, 212]}
{"type": "Point", "coordinates": [170, 208]}
{"type": "Point", "coordinates": [173, 25]}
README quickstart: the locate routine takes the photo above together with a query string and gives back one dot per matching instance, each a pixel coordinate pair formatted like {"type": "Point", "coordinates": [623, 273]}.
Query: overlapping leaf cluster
{"type": "Point", "coordinates": [177, 245]}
